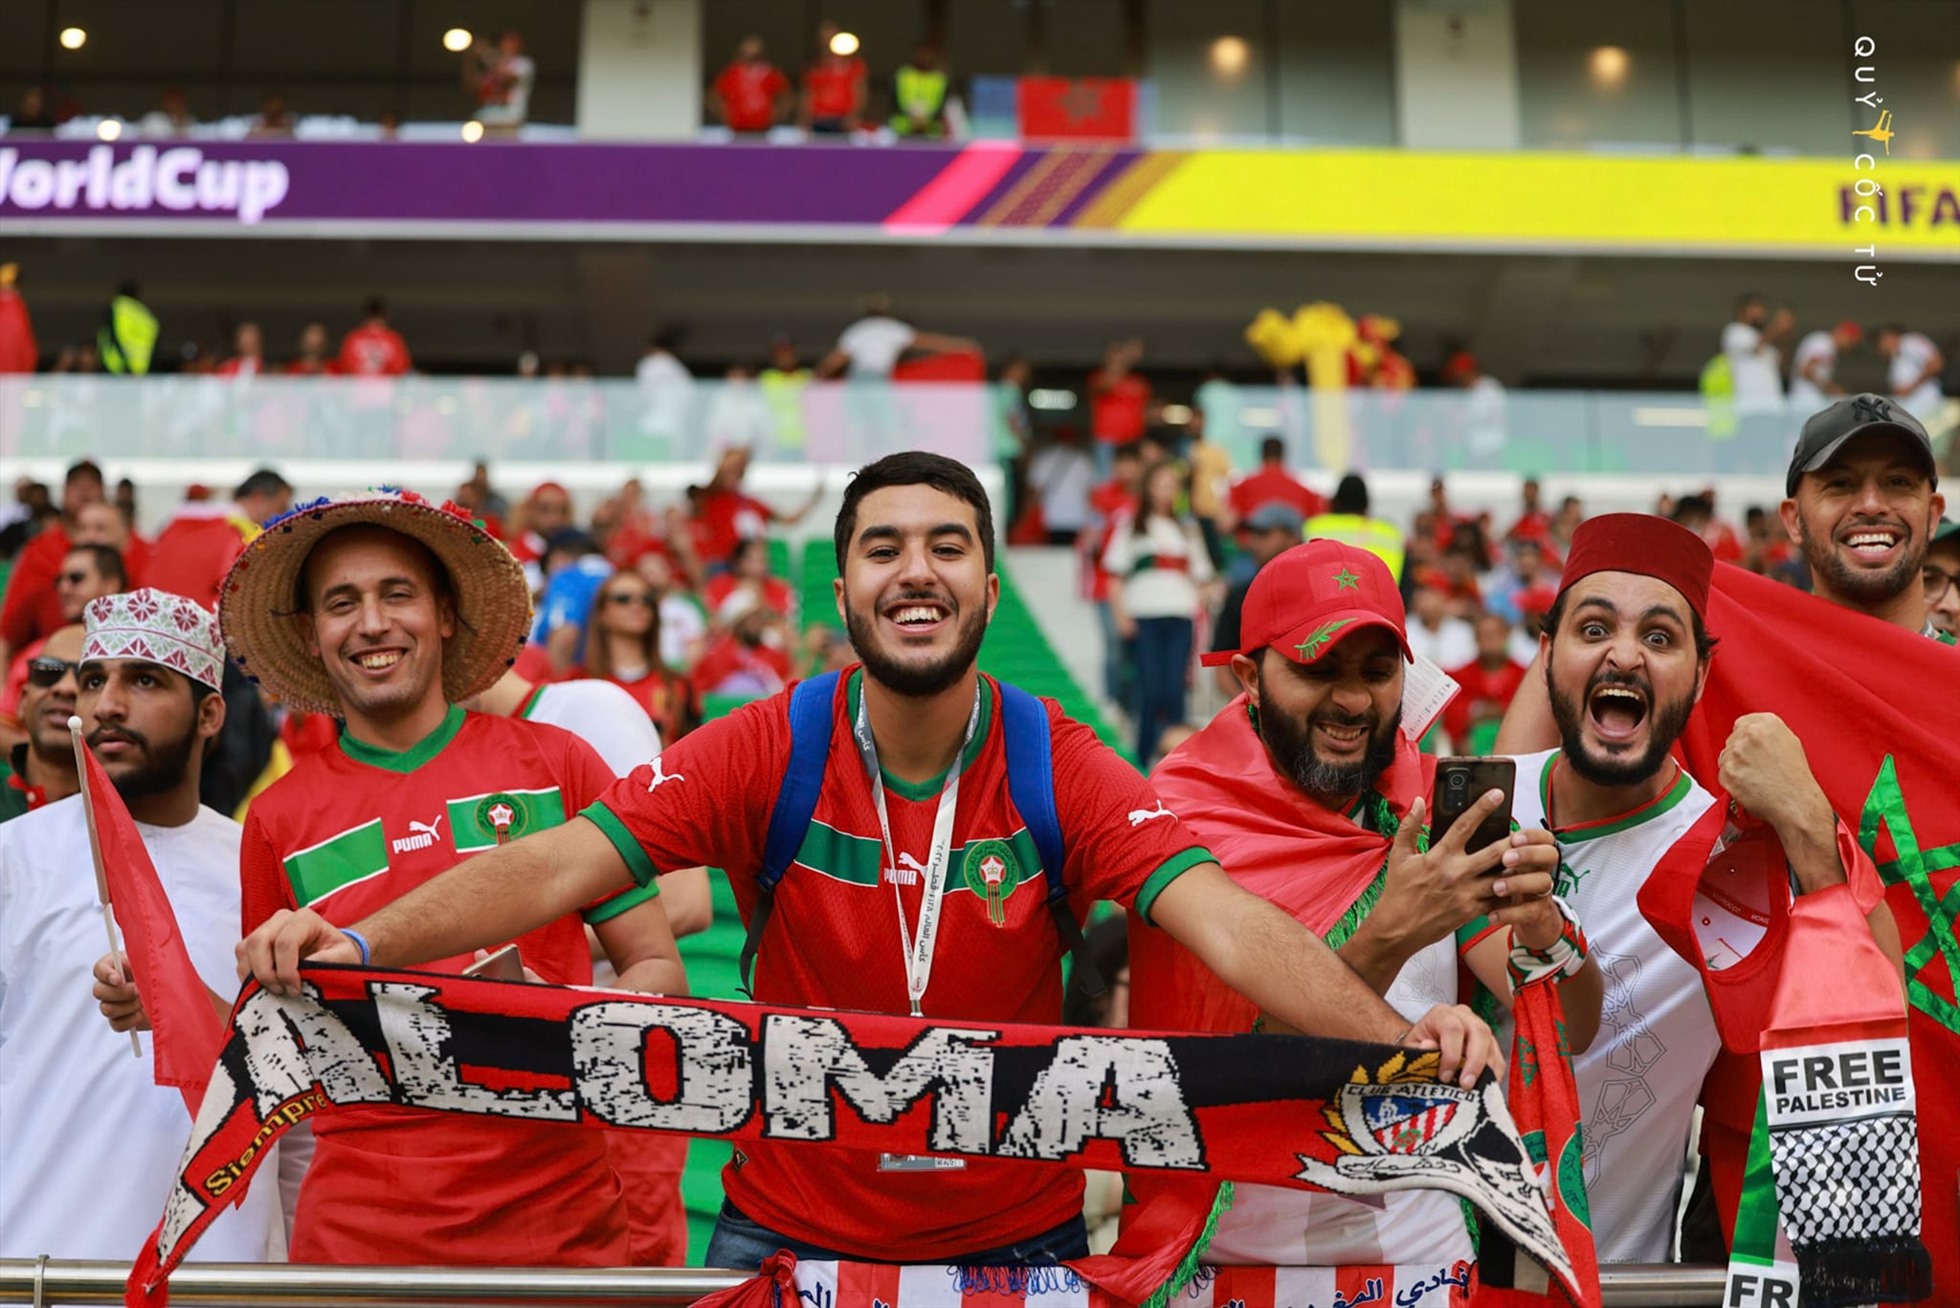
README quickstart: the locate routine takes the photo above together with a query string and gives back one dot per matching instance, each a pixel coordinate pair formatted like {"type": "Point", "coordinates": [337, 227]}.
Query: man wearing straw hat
{"type": "Point", "coordinates": [89, 1140]}
{"type": "Point", "coordinates": [387, 612]}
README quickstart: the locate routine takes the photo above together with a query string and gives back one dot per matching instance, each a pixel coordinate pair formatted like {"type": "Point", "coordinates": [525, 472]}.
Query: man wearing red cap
{"type": "Point", "coordinates": [1312, 795]}
{"type": "Point", "coordinates": [1626, 652]}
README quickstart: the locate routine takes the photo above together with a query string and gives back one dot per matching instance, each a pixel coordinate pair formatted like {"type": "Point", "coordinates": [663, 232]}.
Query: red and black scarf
{"type": "Point", "coordinates": [1294, 1111]}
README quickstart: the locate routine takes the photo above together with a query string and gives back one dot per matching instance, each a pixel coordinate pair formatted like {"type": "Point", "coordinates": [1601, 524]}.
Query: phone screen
{"type": "Point", "coordinates": [1459, 784]}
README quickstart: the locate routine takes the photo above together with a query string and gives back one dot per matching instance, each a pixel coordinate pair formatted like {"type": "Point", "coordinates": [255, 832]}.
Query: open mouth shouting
{"type": "Point", "coordinates": [1616, 710]}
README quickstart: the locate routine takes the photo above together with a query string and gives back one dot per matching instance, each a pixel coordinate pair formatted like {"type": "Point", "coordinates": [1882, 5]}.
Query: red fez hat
{"type": "Point", "coordinates": [1644, 544]}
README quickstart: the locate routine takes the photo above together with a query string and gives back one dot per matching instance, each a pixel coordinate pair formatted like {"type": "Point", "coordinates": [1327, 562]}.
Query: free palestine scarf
{"type": "Point", "coordinates": [1326, 870]}
{"type": "Point", "coordinates": [1351, 1118]}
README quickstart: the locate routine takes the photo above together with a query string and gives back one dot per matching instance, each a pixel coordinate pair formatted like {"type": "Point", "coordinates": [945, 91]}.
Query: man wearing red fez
{"type": "Point", "coordinates": [1626, 652]}
{"type": "Point", "coordinates": [1313, 796]}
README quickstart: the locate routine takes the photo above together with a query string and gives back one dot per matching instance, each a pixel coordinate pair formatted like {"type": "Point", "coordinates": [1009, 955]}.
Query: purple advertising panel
{"type": "Point", "coordinates": [262, 187]}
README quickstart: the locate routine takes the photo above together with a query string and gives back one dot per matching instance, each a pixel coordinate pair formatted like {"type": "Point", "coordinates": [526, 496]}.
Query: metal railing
{"type": "Point", "coordinates": [195, 1285]}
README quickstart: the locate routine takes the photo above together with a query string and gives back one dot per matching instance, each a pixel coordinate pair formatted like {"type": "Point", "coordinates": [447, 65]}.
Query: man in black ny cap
{"type": "Point", "coordinates": [1863, 504]}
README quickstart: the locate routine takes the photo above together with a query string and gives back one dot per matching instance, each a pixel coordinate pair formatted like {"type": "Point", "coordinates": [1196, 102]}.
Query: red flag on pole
{"type": "Point", "coordinates": [186, 1033]}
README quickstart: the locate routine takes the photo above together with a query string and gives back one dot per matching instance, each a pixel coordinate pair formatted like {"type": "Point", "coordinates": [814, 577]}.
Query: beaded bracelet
{"type": "Point", "coordinates": [1566, 956]}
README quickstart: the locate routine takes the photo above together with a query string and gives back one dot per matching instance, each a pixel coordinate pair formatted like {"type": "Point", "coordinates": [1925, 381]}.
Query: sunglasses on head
{"type": "Point", "coordinates": [46, 673]}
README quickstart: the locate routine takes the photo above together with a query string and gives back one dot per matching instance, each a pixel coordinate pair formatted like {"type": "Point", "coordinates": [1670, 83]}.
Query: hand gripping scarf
{"type": "Point", "coordinates": [1326, 871]}
{"type": "Point", "coordinates": [1351, 1118]}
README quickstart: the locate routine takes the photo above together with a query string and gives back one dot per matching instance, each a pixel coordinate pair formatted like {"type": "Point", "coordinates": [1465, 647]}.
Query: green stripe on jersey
{"type": "Point", "coordinates": [478, 820]}
{"type": "Point", "coordinates": [336, 862]}
{"type": "Point", "coordinates": [858, 860]}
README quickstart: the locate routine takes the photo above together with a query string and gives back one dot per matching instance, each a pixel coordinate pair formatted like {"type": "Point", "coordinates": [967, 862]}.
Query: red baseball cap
{"type": "Point", "coordinates": [1313, 597]}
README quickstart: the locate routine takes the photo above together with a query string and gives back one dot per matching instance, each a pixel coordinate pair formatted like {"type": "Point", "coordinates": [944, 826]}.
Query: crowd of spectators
{"type": "Point", "coordinates": [682, 606]}
{"type": "Point", "coordinates": [1170, 540]}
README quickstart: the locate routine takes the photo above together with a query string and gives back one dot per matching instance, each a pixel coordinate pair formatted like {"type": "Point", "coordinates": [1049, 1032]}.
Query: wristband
{"type": "Point", "coordinates": [1565, 957]}
{"type": "Point", "coordinates": [360, 941]}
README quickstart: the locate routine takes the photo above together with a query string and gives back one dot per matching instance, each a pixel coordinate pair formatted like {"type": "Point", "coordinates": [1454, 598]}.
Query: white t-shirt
{"type": "Point", "coordinates": [1062, 476]}
{"type": "Point", "coordinates": [1639, 1081]}
{"type": "Point", "coordinates": [666, 387]}
{"type": "Point", "coordinates": [1753, 364]}
{"type": "Point", "coordinates": [1278, 1226]}
{"type": "Point", "coordinates": [875, 345]}
{"type": "Point", "coordinates": [1154, 591]}
{"type": "Point", "coordinates": [1806, 396]}
{"type": "Point", "coordinates": [1908, 361]}
{"type": "Point", "coordinates": [602, 715]}
{"type": "Point", "coordinates": [1451, 645]}
{"type": "Point", "coordinates": [89, 1143]}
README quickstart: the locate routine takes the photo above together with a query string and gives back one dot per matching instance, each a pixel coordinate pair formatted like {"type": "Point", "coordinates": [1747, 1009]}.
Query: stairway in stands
{"type": "Point", "coordinates": [1015, 650]}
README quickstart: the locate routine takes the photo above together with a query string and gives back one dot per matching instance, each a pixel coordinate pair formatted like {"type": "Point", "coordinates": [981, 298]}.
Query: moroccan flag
{"type": "Point", "coordinates": [1078, 109]}
{"type": "Point", "coordinates": [1876, 707]}
{"type": "Point", "coordinates": [185, 1032]}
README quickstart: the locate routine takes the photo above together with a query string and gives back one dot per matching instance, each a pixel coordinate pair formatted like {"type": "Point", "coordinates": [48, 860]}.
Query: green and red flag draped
{"type": "Point", "coordinates": [1876, 707]}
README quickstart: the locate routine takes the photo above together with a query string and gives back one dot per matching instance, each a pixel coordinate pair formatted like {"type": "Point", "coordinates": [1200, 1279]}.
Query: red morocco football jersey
{"type": "Point", "coordinates": [353, 828]}
{"type": "Point", "coordinates": [833, 939]}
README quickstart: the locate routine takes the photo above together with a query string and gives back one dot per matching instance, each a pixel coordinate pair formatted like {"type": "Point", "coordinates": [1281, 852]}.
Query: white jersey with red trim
{"type": "Point", "coordinates": [1639, 1081]}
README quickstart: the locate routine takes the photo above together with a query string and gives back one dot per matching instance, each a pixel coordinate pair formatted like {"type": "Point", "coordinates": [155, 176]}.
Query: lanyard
{"type": "Point", "coordinates": [916, 950]}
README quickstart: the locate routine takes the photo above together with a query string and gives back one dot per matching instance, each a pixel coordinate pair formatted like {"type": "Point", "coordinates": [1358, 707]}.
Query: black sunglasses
{"type": "Point", "coordinates": [46, 673]}
{"type": "Point", "coordinates": [641, 598]}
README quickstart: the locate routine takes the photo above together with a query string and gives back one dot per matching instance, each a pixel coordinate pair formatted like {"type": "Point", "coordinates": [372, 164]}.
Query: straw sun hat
{"type": "Point", "coordinates": [260, 596]}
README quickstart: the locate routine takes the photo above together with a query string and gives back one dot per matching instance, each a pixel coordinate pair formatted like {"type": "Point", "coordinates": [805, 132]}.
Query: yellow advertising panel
{"type": "Point", "coordinates": [1407, 200]}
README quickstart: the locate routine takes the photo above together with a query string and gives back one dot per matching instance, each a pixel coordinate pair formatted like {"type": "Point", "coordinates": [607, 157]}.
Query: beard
{"type": "Point", "coordinates": [158, 768]}
{"type": "Point", "coordinates": [1666, 722]}
{"type": "Point", "coordinates": [1868, 588]}
{"type": "Point", "coordinates": [1291, 746]}
{"type": "Point", "coordinates": [917, 680]}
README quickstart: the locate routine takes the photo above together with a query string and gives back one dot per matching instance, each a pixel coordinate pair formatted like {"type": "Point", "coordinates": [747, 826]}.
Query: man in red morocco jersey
{"type": "Point", "coordinates": [914, 821]}
{"type": "Point", "coordinates": [387, 611]}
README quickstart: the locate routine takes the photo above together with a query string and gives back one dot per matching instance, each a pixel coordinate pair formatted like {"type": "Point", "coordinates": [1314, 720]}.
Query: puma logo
{"type": "Point", "coordinates": [423, 835]}
{"type": "Point", "coordinates": [907, 873]}
{"type": "Point", "coordinates": [1139, 816]}
{"type": "Point", "coordinates": [661, 778]}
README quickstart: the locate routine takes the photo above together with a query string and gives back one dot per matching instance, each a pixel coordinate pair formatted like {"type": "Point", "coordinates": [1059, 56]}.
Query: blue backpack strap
{"type": "Point", "coordinates": [1031, 785]}
{"type": "Point", "coordinates": [810, 716]}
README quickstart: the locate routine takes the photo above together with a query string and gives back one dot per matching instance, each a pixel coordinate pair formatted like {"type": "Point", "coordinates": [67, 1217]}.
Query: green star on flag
{"type": "Point", "coordinates": [1346, 580]}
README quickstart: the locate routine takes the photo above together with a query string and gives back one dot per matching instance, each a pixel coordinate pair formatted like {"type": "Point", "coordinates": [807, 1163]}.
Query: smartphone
{"type": "Point", "coordinates": [502, 965]}
{"type": "Point", "coordinates": [1460, 782]}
